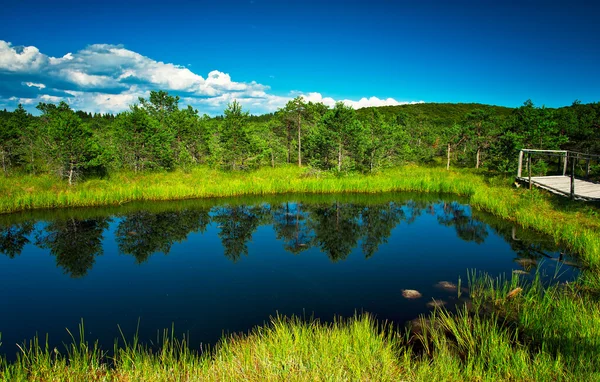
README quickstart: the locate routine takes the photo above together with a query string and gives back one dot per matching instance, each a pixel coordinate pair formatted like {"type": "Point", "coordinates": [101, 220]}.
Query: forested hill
{"type": "Point", "coordinates": [157, 134]}
{"type": "Point", "coordinates": [437, 113]}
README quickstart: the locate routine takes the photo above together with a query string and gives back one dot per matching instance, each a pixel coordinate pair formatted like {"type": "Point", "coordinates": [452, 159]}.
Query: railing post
{"type": "Point", "coordinates": [519, 171]}
{"type": "Point", "coordinates": [572, 178]}
{"type": "Point", "coordinates": [565, 164]}
{"type": "Point", "coordinates": [529, 166]}
{"type": "Point", "coordinates": [587, 170]}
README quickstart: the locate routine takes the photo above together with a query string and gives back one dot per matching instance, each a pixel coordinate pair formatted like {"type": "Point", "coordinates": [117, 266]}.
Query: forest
{"type": "Point", "coordinates": [155, 134]}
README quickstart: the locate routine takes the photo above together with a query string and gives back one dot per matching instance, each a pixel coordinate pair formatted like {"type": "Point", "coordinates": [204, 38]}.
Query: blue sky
{"type": "Point", "coordinates": [102, 55]}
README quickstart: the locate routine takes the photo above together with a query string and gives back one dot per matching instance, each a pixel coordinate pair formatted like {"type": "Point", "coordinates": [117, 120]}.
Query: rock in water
{"type": "Point", "coordinates": [411, 294]}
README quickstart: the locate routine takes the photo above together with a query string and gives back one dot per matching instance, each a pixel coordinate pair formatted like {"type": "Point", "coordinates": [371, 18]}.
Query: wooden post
{"type": "Point", "coordinates": [572, 178]}
{"type": "Point", "coordinates": [519, 171]}
{"type": "Point", "coordinates": [529, 166]}
{"type": "Point", "coordinates": [565, 164]}
{"type": "Point", "coordinates": [587, 170]}
{"type": "Point", "coordinates": [558, 162]}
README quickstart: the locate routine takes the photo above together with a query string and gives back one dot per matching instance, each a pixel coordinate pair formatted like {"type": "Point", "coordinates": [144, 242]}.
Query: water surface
{"type": "Point", "coordinates": [221, 266]}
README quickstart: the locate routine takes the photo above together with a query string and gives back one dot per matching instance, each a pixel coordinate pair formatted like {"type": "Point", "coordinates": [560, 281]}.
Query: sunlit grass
{"type": "Point", "coordinates": [539, 333]}
{"type": "Point", "coordinates": [567, 222]}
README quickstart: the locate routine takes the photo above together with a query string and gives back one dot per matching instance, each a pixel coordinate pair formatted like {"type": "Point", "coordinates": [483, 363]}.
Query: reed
{"type": "Point", "coordinates": [573, 224]}
{"type": "Point", "coordinates": [508, 330]}
{"type": "Point", "coordinates": [540, 333]}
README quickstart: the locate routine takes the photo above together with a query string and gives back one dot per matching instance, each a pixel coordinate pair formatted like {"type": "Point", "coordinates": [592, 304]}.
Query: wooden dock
{"type": "Point", "coordinates": [561, 185]}
{"type": "Point", "coordinates": [565, 184]}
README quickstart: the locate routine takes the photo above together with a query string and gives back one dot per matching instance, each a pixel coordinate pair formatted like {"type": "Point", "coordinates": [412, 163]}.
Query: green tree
{"type": "Point", "coordinates": [284, 128]}
{"type": "Point", "coordinates": [480, 125]}
{"type": "Point", "coordinates": [384, 142]}
{"type": "Point", "coordinates": [454, 136]}
{"type": "Point", "coordinates": [144, 143]}
{"type": "Point", "coordinates": [297, 107]}
{"type": "Point", "coordinates": [234, 136]}
{"type": "Point", "coordinates": [346, 131]}
{"type": "Point", "coordinates": [69, 142]}
{"type": "Point", "coordinates": [12, 129]}
{"type": "Point", "coordinates": [189, 144]}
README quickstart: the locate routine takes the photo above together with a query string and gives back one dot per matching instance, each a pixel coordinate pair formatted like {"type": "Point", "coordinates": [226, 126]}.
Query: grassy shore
{"type": "Point", "coordinates": [574, 225]}
{"type": "Point", "coordinates": [507, 329]}
{"type": "Point", "coordinates": [534, 334]}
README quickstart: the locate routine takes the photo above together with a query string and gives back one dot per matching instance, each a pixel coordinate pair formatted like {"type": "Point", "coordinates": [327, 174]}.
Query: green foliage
{"type": "Point", "coordinates": [235, 139]}
{"type": "Point", "coordinates": [157, 135]}
{"type": "Point", "coordinates": [70, 145]}
{"type": "Point", "coordinates": [143, 142]}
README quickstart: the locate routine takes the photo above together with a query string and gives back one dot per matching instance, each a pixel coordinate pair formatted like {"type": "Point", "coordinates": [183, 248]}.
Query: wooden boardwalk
{"type": "Point", "coordinates": [561, 185]}
{"type": "Point", "coordinates": [566, 184]}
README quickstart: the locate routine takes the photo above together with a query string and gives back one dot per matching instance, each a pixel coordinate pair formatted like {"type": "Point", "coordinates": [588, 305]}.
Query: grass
{"type": "Point", "coordinates": [572, 224]}
{"type": "Point", "coordinates": [542, 333]}
{"type": "Point", "coordinates": [508, 329]}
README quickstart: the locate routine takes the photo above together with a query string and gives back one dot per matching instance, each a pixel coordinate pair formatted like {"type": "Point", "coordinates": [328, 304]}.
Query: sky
{"type": "Point", "coordinates": [100, 56]}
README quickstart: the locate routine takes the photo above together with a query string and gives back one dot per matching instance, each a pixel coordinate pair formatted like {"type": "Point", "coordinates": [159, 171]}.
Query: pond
{"type": "Point", "coordinates": [217, 266]}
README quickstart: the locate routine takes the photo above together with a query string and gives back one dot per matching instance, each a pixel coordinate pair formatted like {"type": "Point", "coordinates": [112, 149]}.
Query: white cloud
{"type": "Point", "coordinates": [56, 61]}
{"type": "Point", "coordinates": [86, 80]}
{"type": "Point", "coordinates": [50, 98]}
{"type": "Point", "coordinates": [33, 84]}
{"type": "Point", "coordinates": [20, 59]}
{"type": "Point", "coordinates": [374, 101]}
{"type": "Point", "coordinates": [109, 78]}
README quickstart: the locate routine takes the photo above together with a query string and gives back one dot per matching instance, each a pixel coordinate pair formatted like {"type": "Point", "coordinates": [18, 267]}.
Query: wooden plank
{"type": "Point", "coordinates": [561, 185]}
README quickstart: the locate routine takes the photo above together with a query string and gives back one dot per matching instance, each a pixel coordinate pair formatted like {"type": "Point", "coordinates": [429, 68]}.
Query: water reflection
{"type": "Point", "coordinates": [74, 242]}
{"type": "Point", "coordinates": [334, 227]}
{"type": "Point", "coordinates": [467, 228]}
{"type": "Point", "coordinates": [231, 264]}
{"type": "Point", "coordinates": [13, 238]}
{"type": "Point", "coordinates": [237, 224]}
{"type": "Point", "coordinates": [144, 233]}
{"type": "Point", "coordinates": [290, 223]}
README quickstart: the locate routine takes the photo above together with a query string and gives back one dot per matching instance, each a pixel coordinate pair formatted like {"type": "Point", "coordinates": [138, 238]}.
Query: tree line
{"type": "Point", "coordinates": [155, 134]}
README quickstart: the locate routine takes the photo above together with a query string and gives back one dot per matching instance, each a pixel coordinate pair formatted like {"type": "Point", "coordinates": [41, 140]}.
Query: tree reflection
{"type": "Point", "coordinates": [14, 237]}
{"type": "Point", "coordinates": [377, 225]}
{"type": "Point", "coordinates": [237, 224]}
{"type": "Point", "coordinates": [467, 228]}
{"type": "Point", "coordinates": [527, 244]}
{"type": "Point", "coordinates": [336, 227]}
{"type": "Point", "coordinates": [143, 233]}
{"type": "Point", "coordinates": [74, 242]}
{"type": "Point", "coordinates": [290, 225]}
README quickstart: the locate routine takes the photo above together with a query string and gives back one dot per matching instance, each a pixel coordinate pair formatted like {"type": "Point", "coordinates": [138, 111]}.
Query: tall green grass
{"type": "Point", "coordinates": [569, 223]}
{"type": "Point", "coordinates": [508, 330]}
{"type": "Point", "coordinates": [541, 333]}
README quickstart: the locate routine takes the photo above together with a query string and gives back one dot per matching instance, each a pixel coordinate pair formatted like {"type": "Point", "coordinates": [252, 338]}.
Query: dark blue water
{"type": "Point", "coordinates": [221, 266]}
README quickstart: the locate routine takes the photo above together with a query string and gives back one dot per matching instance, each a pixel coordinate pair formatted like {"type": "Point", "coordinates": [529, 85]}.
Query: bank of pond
{"type": "Point", "coordinates": [214, 267]}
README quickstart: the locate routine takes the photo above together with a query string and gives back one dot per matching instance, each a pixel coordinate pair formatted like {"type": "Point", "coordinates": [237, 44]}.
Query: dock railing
{"type": "Point", "coordinates": [569, 163]}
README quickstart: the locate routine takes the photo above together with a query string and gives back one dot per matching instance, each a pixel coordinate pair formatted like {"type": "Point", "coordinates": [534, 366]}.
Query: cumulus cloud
{"type": "Point", "coordinates": [108, 78]}
{"type": "Point", "coordinates": [20, 59]}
